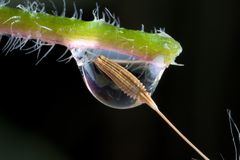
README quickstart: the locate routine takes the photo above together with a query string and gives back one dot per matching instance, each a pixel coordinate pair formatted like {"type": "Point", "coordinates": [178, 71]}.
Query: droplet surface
{"type": "Point", "coordinates": [104, 89]}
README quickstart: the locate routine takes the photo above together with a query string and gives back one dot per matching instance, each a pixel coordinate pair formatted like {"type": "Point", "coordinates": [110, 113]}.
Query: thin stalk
{"type": "Point", "coordinates": [132, 87]}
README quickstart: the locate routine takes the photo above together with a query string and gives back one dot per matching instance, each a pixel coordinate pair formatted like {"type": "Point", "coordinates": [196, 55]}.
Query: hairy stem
{"type": "Point", "coordinates": [75, 33]}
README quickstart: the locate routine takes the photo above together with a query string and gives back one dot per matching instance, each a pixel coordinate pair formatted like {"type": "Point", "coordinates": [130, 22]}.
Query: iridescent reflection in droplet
{"type": "Point", "coordinates": [104, 89]}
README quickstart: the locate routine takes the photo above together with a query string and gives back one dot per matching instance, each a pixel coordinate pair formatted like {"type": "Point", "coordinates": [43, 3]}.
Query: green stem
{"type": "Point", "coordinates": [75, 33]}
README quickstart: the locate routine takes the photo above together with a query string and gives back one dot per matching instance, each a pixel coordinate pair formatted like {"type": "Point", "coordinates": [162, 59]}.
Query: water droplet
{"type": "Point", "coordinates": [104, 89]}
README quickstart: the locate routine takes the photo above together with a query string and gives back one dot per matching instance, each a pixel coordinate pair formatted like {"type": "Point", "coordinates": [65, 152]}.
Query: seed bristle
{"type": "Point", "coordinates": [132, 87]}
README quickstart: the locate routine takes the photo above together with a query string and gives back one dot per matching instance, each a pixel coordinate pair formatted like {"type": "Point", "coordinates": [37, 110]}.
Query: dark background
{"type": "Point", "coordinates": [42, 115]}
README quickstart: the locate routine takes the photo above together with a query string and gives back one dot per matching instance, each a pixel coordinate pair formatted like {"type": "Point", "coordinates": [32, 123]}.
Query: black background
{"type": "Point", "coordinates": [42, 115]}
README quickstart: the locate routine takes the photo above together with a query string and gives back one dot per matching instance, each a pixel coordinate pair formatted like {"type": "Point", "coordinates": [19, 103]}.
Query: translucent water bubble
{"type": "Point", "coordinates": [103, 88]}
{"type": "Point", "coordinates": [107, 92]}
